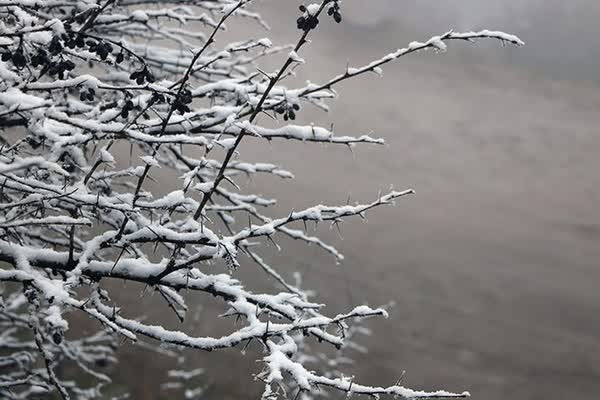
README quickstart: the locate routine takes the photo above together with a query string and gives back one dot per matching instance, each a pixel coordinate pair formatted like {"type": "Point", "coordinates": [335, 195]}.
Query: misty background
{"type": "Point", "coordinates": [493, 263]}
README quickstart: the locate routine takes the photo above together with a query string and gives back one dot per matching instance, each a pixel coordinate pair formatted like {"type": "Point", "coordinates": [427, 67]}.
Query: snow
{"type": "Point", "coordinates": [295, 57]}
{"type": "Point", "coordinates": [205, 187]}
{"type": "Point", "coordinates": [151, 161]}
{"type": "Point", "coordinates": [74, 218]}
{"type": "Point", "coordinates": [6, 74]}
{"type": "Point", "coordinates": [55, 319]}
{"type": "Point", "coordinates": [438, 43]}
{"type": "Point", "coordinates": [265, 42]}
{"type": "Point", "coordinates": [228, 8]}
{"type": "Point", "coordinates": [313, 9]}
{"type": "Point", "coordinates": [139, 16]}
{"type": "Point", "coordinates": [14, 96]}
{"type": "Point", "coordinates": [106, 157]}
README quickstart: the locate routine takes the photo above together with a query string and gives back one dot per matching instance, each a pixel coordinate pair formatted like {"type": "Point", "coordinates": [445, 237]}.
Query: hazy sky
{"type": "Point", "coordinates": [493, 263]}
{"type": "Point", "coordinates": [562, 34]}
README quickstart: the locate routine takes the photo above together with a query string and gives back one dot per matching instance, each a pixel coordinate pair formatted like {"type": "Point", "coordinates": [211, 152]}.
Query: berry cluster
{"type": "Point", "coordinates": [307, 21]}
{"type": "Point", "coordinates": [127, 108]}
{"type": "Point", "coordinates": [288, 110]}
{"type": "Point", "coordinates": [44, 57]}
{"type": "Point", "coordinates": [334, 11]}
{"type": "Point", "coordinates": [75, 40]}
{"type": "Point", "coordinates": [41, 58]}
{"type": "Point", "coordinates": [58, 68]}
{"type": "Point", "coordinates": [142, 75]}
{"type": "Point", "coordinates": [17, 57]}
{"type": "Point", "coordinates": [181, 102]}
{"type": "Point", "coordinates": [55, 46]}
{"type": "Point", "coordinates": [87, 94]}
{"type": "Point", "coordinates": [102, 49]}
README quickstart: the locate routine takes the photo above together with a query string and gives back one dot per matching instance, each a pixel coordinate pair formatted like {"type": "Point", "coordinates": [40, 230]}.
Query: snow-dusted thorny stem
{"type": "Point", "coordinates": [80, 82]}
{"type": "Point", "coordinates": [256, 110]}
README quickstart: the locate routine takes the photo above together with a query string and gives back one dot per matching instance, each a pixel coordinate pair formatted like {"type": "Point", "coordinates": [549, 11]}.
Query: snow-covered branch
{"type": "Point", "coordinates": [82, 82]}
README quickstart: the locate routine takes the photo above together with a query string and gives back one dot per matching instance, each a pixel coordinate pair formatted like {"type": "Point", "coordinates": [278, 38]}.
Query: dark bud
{"type": "Point", "coordinates": [53, 69]}
{"type": "Point", "coordinates": [36, 61]}
{"type": "Point", "coordinates": [158, 98]}
{"type": "Point", "coordinates": [55, 46]}
{"type": "Point", "coordinates": [30, 294]}
{"type": "Point", "coordinates": [149, 77]}
{"type": "Point", "coordinates": [33, 142]}
{"type": "Point", "coordinates": [57, 337]}
{"type": "Point", "coordinates": [119, 58]}
{"type": "Point", "coordinates": [40, 58]}
{"type": "Point", "coordinates": [45, 69]}
{"type": "Point", "coordinates": [186, 96]}
{"type": "Point", "coordinates": [102, 51]}
{"type": "Point", "coordinates": [296, 107]}
{"type": "Point", "coordinates": [18, 59]}
{"type": "Point", "coordinates": [102, 362]}
{"type": "Point", "coordinates": [69, 65]}
{"type": "Point", "coordinates": [68, 166]}
{"type": "Point", "coordinates": [6, 56]}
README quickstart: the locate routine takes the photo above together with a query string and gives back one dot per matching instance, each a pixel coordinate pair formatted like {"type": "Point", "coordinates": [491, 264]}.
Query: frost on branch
{"type": "Point", "coordinates": [80, 80]}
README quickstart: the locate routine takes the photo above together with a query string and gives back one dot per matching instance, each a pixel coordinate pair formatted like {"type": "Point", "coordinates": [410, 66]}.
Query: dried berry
{"type": "Point", "coordinates": [334, 11]}
{"type": "Point", "coordinates": [307, 21]}
{"type": "Point", "coordinates": [18, 59]}
{"type": "Point", "coordinates": [57, 337]}
{"type": "Point", "coordinates": [288, 110]}
{"type": "Point", "coordinates": [55, 46]}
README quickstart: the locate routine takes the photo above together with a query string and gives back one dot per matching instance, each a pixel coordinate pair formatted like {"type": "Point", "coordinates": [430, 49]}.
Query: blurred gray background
{"type": "Point", "coordinates": [494, 263]}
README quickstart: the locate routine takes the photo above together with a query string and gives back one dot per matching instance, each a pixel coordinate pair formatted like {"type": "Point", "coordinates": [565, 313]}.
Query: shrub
{"type": "Point", "coordinates": [82, 79]}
